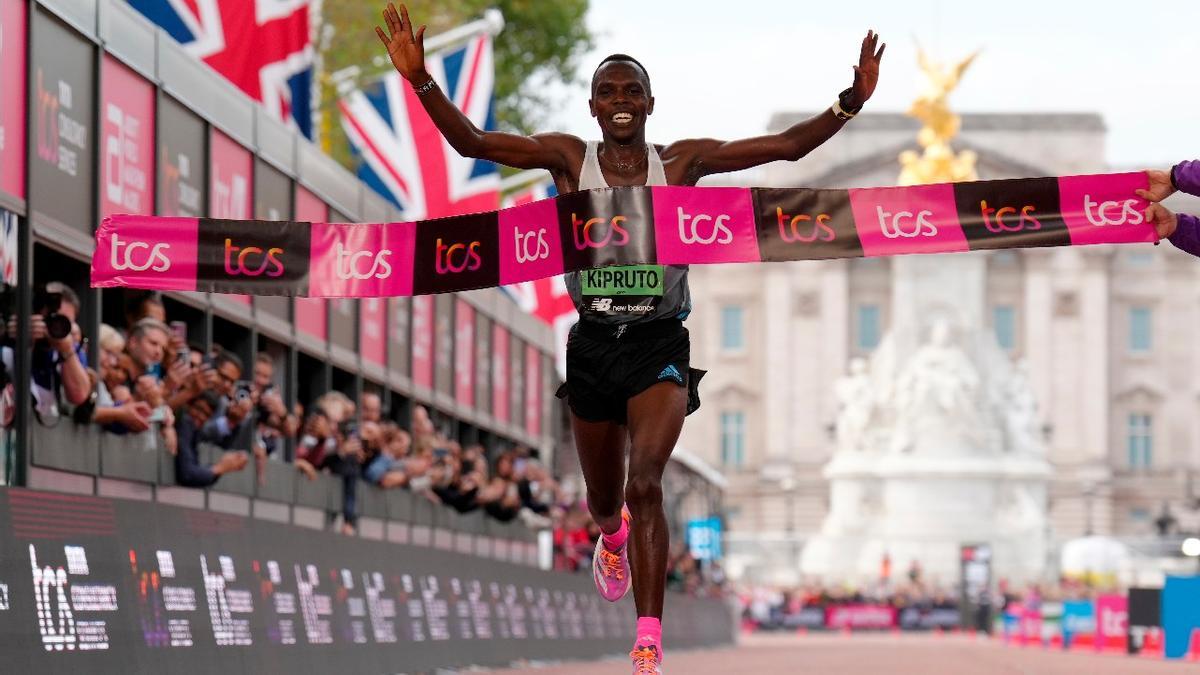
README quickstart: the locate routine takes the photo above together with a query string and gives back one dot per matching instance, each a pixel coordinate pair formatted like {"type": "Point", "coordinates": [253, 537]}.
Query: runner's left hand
{"type": "Point", "coordinates": [866, 73]}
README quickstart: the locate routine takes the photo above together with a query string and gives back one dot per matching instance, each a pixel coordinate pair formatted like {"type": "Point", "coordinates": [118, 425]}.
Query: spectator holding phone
{"type": "Point", "coordinates": [146, 347]}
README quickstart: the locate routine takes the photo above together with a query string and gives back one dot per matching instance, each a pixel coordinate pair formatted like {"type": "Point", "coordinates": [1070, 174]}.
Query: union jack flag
{"type": "Point", "coordinates": [262, 46]}
{"type": "Point", "coordinates": [403, 156]}
{"type": "Point", "coordinates": [546, 299]}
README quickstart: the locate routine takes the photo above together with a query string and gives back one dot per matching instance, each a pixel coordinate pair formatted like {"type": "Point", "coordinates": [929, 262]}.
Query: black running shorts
{"type": "Point", "coordinates": [608, 365]}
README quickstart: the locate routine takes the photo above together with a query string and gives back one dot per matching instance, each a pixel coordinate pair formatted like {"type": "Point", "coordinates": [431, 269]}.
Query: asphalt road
{"type": "Point", "coordinates": [870, 654]}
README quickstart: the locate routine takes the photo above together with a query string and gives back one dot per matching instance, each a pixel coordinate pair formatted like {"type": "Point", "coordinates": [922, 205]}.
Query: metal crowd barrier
{"type": "Point", "coordinates": [65, 453]}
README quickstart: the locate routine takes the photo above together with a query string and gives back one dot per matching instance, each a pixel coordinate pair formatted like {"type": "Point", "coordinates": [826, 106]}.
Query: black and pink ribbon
{"type": "Point", "coordinates": [613, 226]}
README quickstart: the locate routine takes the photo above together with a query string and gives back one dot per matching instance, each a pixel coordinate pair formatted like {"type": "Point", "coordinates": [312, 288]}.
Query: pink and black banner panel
{"type": "Point", "coordinates": [614, 226]}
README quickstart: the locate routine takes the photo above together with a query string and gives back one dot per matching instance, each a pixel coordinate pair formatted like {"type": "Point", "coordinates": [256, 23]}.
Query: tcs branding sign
{"type": "Point", "coordinates": [159, 253]}
{"type": "Point", "coordinates": [713, 225]}
{"type": "Point", "coordinates": [530, 242]}
{"type": "Point", "coordinates": [361, 260]}
{"type": "Point", "coordinates": [253, 256]}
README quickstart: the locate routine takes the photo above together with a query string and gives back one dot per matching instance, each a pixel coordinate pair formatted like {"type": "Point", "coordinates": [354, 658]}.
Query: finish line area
{"type": "Point", "coordinates": [868, 654]}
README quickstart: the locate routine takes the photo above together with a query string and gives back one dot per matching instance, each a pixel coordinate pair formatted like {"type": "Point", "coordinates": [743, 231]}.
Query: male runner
{"type": "Point", "coordinates": [628, 380]}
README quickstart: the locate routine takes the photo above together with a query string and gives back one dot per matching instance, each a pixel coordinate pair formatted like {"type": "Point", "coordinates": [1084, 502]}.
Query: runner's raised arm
{"type": "Point", "coordinates": [407, 52]}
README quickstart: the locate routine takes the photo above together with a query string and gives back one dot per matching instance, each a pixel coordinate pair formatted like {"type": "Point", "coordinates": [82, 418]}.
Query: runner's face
{"type": "Point", "coordinates": [621, 100]}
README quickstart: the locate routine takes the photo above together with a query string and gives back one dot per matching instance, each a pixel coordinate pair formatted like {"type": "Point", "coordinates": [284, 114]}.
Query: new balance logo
{"type": "Point", "coordinates": [670, 373]}
{"type": "Point", "coordinates": [601, 304]}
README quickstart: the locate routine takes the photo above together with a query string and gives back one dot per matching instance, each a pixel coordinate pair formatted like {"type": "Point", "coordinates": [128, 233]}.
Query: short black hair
{"type": "Point", "coordinates": [225, 356]}
{"type": "Point", "coordinates": [621, 58]}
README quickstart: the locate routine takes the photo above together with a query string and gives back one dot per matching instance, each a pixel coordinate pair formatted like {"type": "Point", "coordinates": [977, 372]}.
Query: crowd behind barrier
{"type": "Point", "coordinates": [222, 421]}
{"type": "Point", "coordinates": [1153, 622]}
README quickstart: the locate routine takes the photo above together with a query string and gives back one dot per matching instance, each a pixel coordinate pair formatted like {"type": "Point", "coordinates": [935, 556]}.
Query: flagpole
{"type": "Point", "coordinates": [492, 23]}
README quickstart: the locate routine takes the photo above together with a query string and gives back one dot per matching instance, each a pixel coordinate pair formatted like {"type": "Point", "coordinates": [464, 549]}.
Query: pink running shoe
{"type": "Point", "coordinates": [647, 660]}
{"type": "Point", "coordinates": [610, 569]}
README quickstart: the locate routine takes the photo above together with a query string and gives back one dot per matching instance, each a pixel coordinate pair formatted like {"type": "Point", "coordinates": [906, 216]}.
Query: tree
{"type": "Point", "coordinates": [542, 41]}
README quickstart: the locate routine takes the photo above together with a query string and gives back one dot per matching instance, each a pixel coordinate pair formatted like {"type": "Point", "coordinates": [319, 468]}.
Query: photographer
{"type": "Point", "coordinates": [274, 421]}
{"type": "Point", "coordinates": [232, 423]}
{"type": "Point", "coordinates": [58, 367]}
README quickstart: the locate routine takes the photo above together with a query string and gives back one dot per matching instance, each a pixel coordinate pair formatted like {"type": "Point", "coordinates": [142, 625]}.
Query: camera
{"type": "Point", "coordinates": [242, 391]}
{"type": "Point", "coordinates": [57, 325]}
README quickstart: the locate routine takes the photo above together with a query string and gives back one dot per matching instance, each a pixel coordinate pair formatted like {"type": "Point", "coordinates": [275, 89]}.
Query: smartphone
{"type": "Point", "coordinates": [179, 330]}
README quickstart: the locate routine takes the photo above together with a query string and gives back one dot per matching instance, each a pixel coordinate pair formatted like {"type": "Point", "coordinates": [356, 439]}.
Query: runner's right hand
{"type": "Point", "coordinates": [406, 50]}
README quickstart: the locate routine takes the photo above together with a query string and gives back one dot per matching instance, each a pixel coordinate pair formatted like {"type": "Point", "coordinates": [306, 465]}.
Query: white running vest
{"type": "Point", "coordinates": [606, 305]}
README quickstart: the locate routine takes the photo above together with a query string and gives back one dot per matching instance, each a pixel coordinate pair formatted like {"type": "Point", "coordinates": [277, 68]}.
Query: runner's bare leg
{"type": "Point", "coordinates": [655, 420]}
{"type": "Point", "coordinates": [601, 447]}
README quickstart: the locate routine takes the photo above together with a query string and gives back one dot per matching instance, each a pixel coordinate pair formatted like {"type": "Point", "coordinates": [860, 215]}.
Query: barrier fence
{"type": "Point", "coordinates": [97, 585]}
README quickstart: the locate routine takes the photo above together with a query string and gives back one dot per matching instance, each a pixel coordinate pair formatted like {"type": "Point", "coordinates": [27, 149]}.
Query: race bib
{"type": "Point", "coordinates": [627, 289]}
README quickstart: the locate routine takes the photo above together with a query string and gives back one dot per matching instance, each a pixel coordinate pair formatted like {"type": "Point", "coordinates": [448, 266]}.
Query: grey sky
{"type": "Point", "coordinates": [721, 69]}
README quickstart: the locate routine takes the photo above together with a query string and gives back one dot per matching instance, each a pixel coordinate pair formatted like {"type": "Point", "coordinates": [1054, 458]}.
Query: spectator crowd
{"type": "Point", "coordinates": [150, 380]}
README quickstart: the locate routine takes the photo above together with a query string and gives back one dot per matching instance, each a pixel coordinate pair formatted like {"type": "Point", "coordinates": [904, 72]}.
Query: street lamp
{"type": "Point", "coordinates": [1191, 548]}
{"type": "Point", "coordinates": [782, 473]}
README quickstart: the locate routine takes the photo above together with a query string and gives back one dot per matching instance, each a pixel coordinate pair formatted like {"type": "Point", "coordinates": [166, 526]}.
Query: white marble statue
{"type": "Point", "coordinates": [1022, 420]}
{"type": "Point", "coordinates": [937, 389]}
{"type": "Point", "coordinates": [856, 399]}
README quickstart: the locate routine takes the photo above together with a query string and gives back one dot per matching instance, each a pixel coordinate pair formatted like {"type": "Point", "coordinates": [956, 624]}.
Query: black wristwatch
{"type": "Point", "coordinates": [843, 109]}
{"type": "Point", "coordinates": [1174, 185]}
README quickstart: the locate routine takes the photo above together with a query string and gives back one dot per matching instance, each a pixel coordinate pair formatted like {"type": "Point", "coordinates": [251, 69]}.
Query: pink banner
{"type": "Point", "coordinates": [372, 343]}
{"type": "Point", "coordinates": [312, 315]}
{"type": "Point", "coordinates": [533, 391]}
{"type": "Point", "coordinates": [919, 219]}
{"type": "Point", "coordinates": [500, 366]}
{"type": "Point", "coordinates": [675, 225]}
{"type": "Point", "coordinates": [1112, 621]}
{"type": "Point", "coordinates": [231, 172]}
{"type": "Point", "coordinates": [127, 141]}
{"type": "Point", "coordinates": [358, 261]}
{"type": "Point", "coordinates": [860, 616]}
{"type": "Point", "coordinates": [464, 354]}
{"type": "Point", "coordinates": [159, 249]}
{"type": "Point", "coordinates": [422, 341]}
{"type": "Point", "coordinates": [715, 225]}
{"type": "Point", "coordinates": [1031, 625]}
{"type": "Point", "coordinates": [13, 102]}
